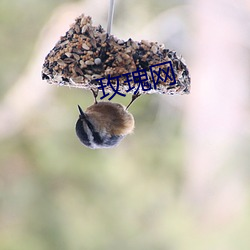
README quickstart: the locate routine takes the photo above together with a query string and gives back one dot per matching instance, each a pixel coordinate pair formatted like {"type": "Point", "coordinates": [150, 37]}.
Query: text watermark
{"type": "Point", "coordinates": [165, 72]}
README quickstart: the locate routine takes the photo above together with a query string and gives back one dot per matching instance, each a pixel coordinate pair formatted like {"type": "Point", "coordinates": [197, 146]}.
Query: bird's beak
{"type": "Point", "coordinates": [82, 115]}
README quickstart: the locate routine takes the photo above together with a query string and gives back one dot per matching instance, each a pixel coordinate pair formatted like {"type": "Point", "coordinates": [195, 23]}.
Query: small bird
{"type": "Point", "coordinates": [104, 124]}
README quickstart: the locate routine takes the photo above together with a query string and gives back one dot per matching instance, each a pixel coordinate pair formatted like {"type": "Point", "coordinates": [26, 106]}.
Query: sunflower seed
{"type": "Point", "coordinates": [154, 49]}
{"type": "Point", "coordinates": [69, 60]}
{"type": "Point", "coordinates": [77, 29]}
{"type": "Point", "coordinates": [85, 46]}
{"type": "Point", "coordinates": [77, 57]}
{"type": "Point", "coordinates": [95, 76]}
{"type": "Point", "coordinates": [77, 79]}
{"type": "Point", "coordinates": [88, 62]}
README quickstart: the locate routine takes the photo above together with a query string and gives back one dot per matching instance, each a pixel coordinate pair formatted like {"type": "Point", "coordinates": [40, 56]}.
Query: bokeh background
{"type": "Point", "coordinates": [180, 182]}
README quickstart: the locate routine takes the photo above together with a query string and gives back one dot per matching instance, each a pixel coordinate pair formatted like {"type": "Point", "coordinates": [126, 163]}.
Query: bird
{"type": "Point", "coordinates": [104, 124]}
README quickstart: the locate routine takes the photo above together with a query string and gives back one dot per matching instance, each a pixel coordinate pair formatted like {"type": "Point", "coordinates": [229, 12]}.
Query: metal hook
{"type": "Point", "coordinates": [110, 15]}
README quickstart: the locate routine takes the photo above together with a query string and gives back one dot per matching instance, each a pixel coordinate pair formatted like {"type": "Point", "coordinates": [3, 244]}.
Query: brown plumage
{"type": "Point", "coordinates": [111, 117]}
{"type": "Point", "coordinates": [104, 124]}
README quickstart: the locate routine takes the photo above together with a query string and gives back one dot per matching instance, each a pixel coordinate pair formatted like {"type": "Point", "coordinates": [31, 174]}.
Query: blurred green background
{"type": "Point", "coordinates": [181, 181]}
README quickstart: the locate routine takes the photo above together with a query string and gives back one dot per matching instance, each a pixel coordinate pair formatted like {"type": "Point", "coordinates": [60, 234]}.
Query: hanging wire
{"type": "Point", "coordinates": [110, 15]}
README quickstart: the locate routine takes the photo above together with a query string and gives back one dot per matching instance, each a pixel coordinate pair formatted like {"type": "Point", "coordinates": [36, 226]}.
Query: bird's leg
{"type": "Point", "coordinates": [134, 97]}
{"type": "Point", "coordinates": [95, 94]}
